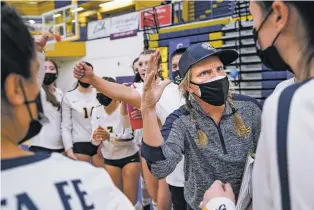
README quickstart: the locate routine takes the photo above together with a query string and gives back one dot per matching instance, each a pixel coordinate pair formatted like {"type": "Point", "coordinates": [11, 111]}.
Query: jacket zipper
{"type": "Point", "coordinates": [222, 141]}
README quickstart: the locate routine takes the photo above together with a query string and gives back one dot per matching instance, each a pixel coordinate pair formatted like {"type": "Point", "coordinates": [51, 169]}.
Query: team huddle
{"type": "Point", "coordinates": [91, 146]}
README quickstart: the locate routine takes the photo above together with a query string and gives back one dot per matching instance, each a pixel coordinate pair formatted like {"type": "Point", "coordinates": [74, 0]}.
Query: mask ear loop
{"type": "Point", "coordinates": [27, 102]}
{"type": "Point", "coordinates": [268, 14]}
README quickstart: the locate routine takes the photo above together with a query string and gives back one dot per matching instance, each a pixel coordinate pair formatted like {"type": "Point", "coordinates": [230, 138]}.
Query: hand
{"type": "Point", "coordinates": [218, 189]}
{"type": "Point", "coordinates": [71, 154]}
{"type": "Point", "coordinates": [100, 134]}
{"type": "Point", "coordinates": [41, 42]}
{"type": "Point", "coordinates": [152, 91]}
{"type": "Point", "coordinates": [83, 72]}
{"type": "Point", "coordinates": [136, 114]}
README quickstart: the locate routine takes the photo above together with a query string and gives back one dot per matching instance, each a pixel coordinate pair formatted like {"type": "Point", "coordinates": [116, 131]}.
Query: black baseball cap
{"type": "Point", "coordinates": [201, 51]}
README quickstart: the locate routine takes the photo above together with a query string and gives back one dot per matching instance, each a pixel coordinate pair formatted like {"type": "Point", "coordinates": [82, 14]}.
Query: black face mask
{"type": "Point", "coordinates": [216, 92]}
{"type": "Point", "coordinates": [83, 84]}
{"type": "Point", "coordinates": [36, 124]}
{"type": "Point", "coordinates": [137, 78]}
{"type": "Point", "coordinates": [103, 100]}
{"type": "Point", "coordinates": [270, 57]}
{"type": "Point", "coordinates": [50, 78]}
{"type": "Point", "coordinates": [176, 77]}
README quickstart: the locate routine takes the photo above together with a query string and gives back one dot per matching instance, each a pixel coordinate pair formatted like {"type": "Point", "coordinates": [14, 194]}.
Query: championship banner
{"type": "Point", "coordinates": [124, 26]}
{"type": "Point", "coordinates": [176, 44]}
{"type": "Point", "coordinates": [98, 29]}
{"type": "Point", "coordinates": [164, 14]}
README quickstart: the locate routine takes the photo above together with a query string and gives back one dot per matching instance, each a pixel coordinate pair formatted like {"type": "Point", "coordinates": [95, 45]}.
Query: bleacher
{"type": "Point", "coordinates": [225, 25]}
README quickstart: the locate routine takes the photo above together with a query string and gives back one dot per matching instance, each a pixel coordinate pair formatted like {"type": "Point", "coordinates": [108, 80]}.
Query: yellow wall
{"type": "Point", "coordinates": [67, 49]}
{"type": "Point", "coordinates": [139, 5]}
{"type": "Point", "coordinates": [32, 9]}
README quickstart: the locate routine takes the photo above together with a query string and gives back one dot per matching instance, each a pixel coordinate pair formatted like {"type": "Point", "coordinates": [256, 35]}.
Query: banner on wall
{"type": "Point", "coordinates": [164, 14]}
{"type": "Point", "coordinates": [176, 44]}
{"type": "Point", "coordinates": [124, 26]}
{"type": "Point", "coordinates": [98, 29]}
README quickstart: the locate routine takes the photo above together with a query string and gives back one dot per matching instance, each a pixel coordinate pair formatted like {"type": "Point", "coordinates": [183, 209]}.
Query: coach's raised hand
{"type": "Point", "coordinates": [152, 90]}
{"type": "Point", "coordinates": [84, 73]}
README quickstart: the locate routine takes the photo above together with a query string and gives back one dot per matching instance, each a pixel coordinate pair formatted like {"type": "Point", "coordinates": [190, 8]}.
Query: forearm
{"type": "Point", "coordinates": [117, 91]}
{"type": "Point", "coordinates": [151, 131]}
{"type": "Point", "coordinates": [41, 72]}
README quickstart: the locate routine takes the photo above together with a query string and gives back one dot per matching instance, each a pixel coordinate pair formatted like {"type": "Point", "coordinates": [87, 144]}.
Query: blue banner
{"type": "Point", "coordinates": [173, 45]}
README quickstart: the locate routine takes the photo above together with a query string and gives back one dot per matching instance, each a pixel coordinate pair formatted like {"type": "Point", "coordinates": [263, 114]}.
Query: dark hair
{"type": "Point", "coordinates": [49, 96]}
{"type": "Point", "coordinates": [17, 45]}
{"type": "Point", "coordinates": [109, 79]}
{"type": "Point", "coordinates": [179, 51]}
{"type": "Point", "coordinates": [306, 11]}
{"type": "Point", "coordinates": [88, 64]}
{"type": "Point", "coordinates": [135, 60]}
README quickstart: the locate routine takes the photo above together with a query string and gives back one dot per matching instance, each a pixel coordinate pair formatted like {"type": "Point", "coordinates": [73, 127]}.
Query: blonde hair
{"type": "Point", "coordinates": [239, 126]}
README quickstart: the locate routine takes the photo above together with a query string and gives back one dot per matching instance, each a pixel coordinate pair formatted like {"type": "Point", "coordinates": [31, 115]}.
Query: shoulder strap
{"type": "Point", "coordinates": [282, 132]}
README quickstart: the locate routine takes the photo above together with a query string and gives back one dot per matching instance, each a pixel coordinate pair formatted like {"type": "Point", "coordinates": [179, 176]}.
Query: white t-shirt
{"type": "Point", "coordinates": [119, 128]}
{"type": "Point", "coordinates": [170, 100]}
{"type": "Point", "coordinates": [77, 109]}
{"type": "Point", "coordinates": [284, 84]}
{"type": "Point", "coordinates": [43, 181]}
{"type": "Point", "coordinates": [50, 134]}
{"type": "Point", "coordinates": [300, 147]}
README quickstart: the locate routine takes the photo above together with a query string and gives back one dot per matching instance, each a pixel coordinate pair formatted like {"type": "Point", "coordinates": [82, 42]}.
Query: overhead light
{"type": "Point", "coordinates": [73, 21]}
{"type": "Point", "coordinates": [78, 9]}
{"type": "Point", "coordinates": [32, 2]}
{"type": "Point", "coordinates": [56, 15]}
{"type": "Point", "coordinates": [32, 21]}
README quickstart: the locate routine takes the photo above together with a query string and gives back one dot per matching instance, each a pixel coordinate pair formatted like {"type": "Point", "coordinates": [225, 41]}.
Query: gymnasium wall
{"type": "Point", "coordinates": [109, 57]}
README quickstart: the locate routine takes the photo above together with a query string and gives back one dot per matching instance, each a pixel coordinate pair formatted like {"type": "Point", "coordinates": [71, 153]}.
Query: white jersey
{"type": "Point", "coordinates": [77, 109]}
{"type": "Point", "coordinates": [119, 128]}
{"type": "Point", "coordinates": [284, 84]}
{"type": "Point", "coordinates": [300, 146]}
{"type": "Point", "coordinates": [50, 134]}
{"type": "Point", "coordinates": [43, 181]}
{"type": "Point", "coordinates": [171, 99]}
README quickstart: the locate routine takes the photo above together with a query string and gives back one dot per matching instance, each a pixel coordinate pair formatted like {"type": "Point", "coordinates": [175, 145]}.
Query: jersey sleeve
{"type": "Point", "coordinates": [94, 126]}
{"type": "Point", "coordinates": [66, 123]}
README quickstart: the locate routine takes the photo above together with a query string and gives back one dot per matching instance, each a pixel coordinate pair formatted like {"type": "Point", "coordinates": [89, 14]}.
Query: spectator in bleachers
{"type": "Point", "coordinates": [215, 130]}
{"type": "Point", "coordinates": [178, 8]}
{"type": "Point", "coordinates": [283, 172]}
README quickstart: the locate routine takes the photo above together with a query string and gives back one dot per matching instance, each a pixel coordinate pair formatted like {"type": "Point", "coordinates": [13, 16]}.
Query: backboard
{"type": "Point", "coordinates": [63, 22]}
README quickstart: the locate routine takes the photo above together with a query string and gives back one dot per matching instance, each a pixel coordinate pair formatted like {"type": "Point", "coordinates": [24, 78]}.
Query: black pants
{"type": "Point", "coordinates": [43, 149]}
{"type": "Point", "coordinates": [177, 195]}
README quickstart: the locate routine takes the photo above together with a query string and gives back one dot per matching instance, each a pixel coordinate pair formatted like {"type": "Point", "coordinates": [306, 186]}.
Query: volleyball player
{"type": "Point", "coordinates": [49, 139]}
{"type": "Point", "coordinates": [170, 101]}
{"type": "Point", "coordinates": [111, 127]}
{"type": "Point", "coordinates": [283, 171]}
{"type": "Point", "coordinates": [77, 107]}
{"type": "Point", "coordinates": [138, 135]}
{"type": "Point", "coordinates": [39, 181]}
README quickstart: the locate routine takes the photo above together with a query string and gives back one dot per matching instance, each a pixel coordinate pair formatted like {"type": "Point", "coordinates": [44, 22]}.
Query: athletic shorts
{"type": "Point", "coordinates": [177, 196]}
{"type": "Point", "coordinates": [85, 148]}
{"type": "Point", "coordinates": [43, 149]}
{"type": "Point", "coordinates": [124, 161]}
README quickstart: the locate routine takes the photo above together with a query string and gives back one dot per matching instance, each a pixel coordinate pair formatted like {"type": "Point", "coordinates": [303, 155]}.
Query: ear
{"type": "Point", "coordinates": [13, 90]}
{"type": "Point", "coordinates": [281, 12]}
{"type": "Point", "coordinates": [192, 89]}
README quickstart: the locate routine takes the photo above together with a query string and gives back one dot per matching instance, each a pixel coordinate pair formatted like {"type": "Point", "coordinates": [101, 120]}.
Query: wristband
{"type": "Point", "coordinates": [220, 203]}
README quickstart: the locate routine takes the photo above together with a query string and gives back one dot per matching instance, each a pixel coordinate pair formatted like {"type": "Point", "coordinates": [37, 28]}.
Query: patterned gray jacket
{"type": "Point", "coordinates": [223, 157]}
